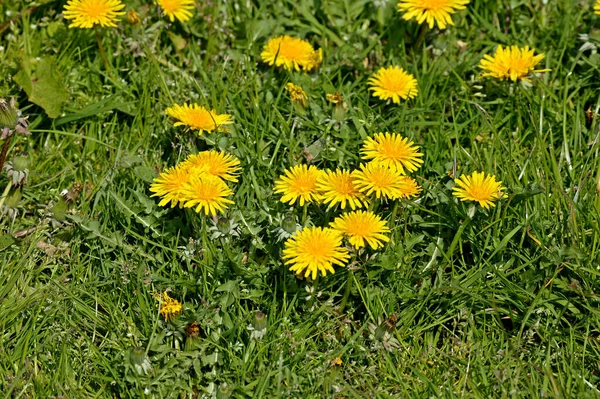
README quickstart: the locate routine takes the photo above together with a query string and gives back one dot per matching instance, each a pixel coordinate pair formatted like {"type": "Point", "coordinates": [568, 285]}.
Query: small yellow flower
{"type": "Point", "coordinates": [291, 53]}
{"type": "Point", "coordinates": [377, 178]}
{"type": "Point", "coordinates": [432, 11]}
{"type": "Point", "coordinates": [362, 228]}
{"type": "Point", "coordinates": [133, 17]}
{"type": "Point", "coordinates": [198, 118]}
{"type": "Point", "coordinates": [299, 183]}
{"type": "Point", "coordinates": [393, 82]}
{"type": "Point", "coordinates": [314, 250]}
{"type": "Point", "coordinates": [214, 163]}
{"type": "Point", "coordinates": [170, 186]}
{"type": "Point", "coordinates": [597, 7]}
{"type": "Point", "coordinates": [511, 63]}
{"type": "Point", "coordinates": [168, 307]}
{"type": "Point", "coordinates": [87, 13]}
{"type": "Point", "coordinates": [207, 193]}
{"type": "Point", "coordinates": [338, 187]}
{"type": "Point", "coordinates": [297, 94]}
{"type": "Point", "coordinates": [408, 187]}
{"type": "Point", "coordinates": [393, 151]}
{"type": "Point", "coordinates": [180, 9]}
{"type": "Point", "coordinates": [479, 187]}
{"type": "Point", "coordinates": [336, 362]}
{"type": "Point", "coordinates": [336, 98]}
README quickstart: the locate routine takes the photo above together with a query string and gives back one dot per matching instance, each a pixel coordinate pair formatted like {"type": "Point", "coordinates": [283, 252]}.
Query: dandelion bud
{"type": "Point", "coordinates": [260, 321]}
{"type": "Point", "coordinates": [224, 391]}
{"type": "Point", "coordinates": [133, 17]}
{"type": "Point", "coordinates": [297, 95]}
{"type": "Point", "coordinates": [13, 198]}
{"type": "Point", "coordinates": [223, 225]}
{"type": "Point", "coordinates": [9, 117]}
{"type": "Point", "coordinates": [289, 223]}
{"type": "Point", "coordinates": [139, 360]}
{"type": "Point", "coordinates": [59, 210]}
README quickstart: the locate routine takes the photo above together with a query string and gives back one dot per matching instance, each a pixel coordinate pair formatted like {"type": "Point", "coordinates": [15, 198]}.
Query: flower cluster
{"type": "Point", "coordinates": [88, 13]}
{"type": "Point", "coordinates": [382, 178]}
{"type": "Point", "coordinates": [200, 181]}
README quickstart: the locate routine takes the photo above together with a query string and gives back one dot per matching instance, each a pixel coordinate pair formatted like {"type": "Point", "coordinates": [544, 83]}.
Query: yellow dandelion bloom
{"type": "Point", "coordinates": [511, 63]}
{"type": "Point", "coordinates": [393, 82]}
{"type": "Point", "coordinates": [377, 178]}
{"type": "Point", "coordinates": [87, 13]}
{"type": "Point", "coordinates": [314, 249]}
{"type": "Point", "coordinates": [336, 98]}
{"type": "Point", "coordinates": [478, 187]}
{"type": "Point", "coordinates": [431, 11]}
{"type": "Point", "coordinates": [393, 151]}
{"type": "Point", "coordinates": [168, 307]}
{"type": "Point", "coordinates": [597, 7]}
{"type": "Point", "coordinates": [215, 163]}
{"type": "Point", "coordinates": [180, 9]}
{"type": "Point", "coordinates": [408, 187]}
{"type": "Point", "coordinates": [299, 183]}
{"type": "Point", "coordinates": [362, 228]}
{"type": "Point", "coordinates": [207, 193]}
{"type": "Point", "coordinates": [291, 53]}
{"type": "Point", "coordinates": [198, 118]}
{"type": "Point", "coordinates": [297, 94]}
{"type": "Point", "coordinates": [338, 187]}
{"type": "Point", "coordinates": [169, 185]}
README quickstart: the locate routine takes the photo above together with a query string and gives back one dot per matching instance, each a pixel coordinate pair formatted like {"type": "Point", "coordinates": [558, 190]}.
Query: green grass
{"type": "Point", "coordinates": [503, 304]}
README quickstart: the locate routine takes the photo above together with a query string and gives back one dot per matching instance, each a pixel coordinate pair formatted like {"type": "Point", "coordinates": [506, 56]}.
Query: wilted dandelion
{"type": "Point", "coordinates": [198, 118]}
{"type": "Point", "coordinates": [169, 185]}
{"type": "Point", "coordinates": [314, 250]}
{"type": "Point", "coordinates": [378, 179]}
{"type": "Point", "coordinates": [298, 184]}
{"type": "Point", "coordinates": [479, 187]}
{"type": "Point", "coordinates": [133, 17]}
{"type": "Point", "coordinates": [168, 307]}
{"type": "Point", "coordinates": [291, 53]}
{"type": "Point", "coordinates": [511, 63]}
{"type": "Point", "coordinates": [362, 228]}
{"type": "Point", "coordinates": [393, 82]}
{"type": "Point", "coordinates": [338, 187]}
{"type": "Point", "coordinates": [392, 150]}
{"type": "Point", "coordinates": [214, 163]}
{"type": "Point", "coordinates": [87, 13]}
{"type": "Point", "coordinates": [207, 193]}
{"type": "Point", "coordinates": [297, 94]}
{"type": "Point", "coordinates": [431, 11]}
{"type": "Point", "coordinates": [334, 98]}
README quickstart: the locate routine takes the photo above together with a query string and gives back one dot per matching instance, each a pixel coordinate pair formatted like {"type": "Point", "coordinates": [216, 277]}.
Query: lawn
{"type": "Point", "coordinates": [464, 300]}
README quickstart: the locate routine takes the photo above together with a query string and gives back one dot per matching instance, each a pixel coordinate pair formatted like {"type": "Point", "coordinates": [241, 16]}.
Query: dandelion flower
{"type": "Point", "coordinates": [291, 53]}
{"type": "Point", "coordinates": [170, 185]}
{"type": "Point", "coordinates": [408, 187]}
{"type": "Point", "coordinates": [597, 7]}
{"type": "Point", "coordinates": [214, 163]}
{"type": "Point", "coordinates": [334, 98]}
{"type": "Point", "coordinates": [314, 249]}
{"type": "Point", "coordinates": [338, 187]}
{"type": "Point", "coordinates": [298, 183]}
{"type": "Point", "coordinates": [168, 307]}
{"type": "Point", "coordinates": [297, 94]}
{"type": "Point", "coordinates": [377, 178]}
{"type": "Point", "coordinates": [87, 13]}
{"type": "Point", "coordinates": [479, 187]}
{"type": "Point", "coordinates": [362, 228]}
{"type": "Point", "coordinates": [179, 9]}
{"type": "Point", "coordinates": [393, 82]}
{"type": "Point", "coordinates": [432, 11]}
{"type": "Point", "coordinates": [393, 151]}
{"type": "Point", "coordinates": [511, 63]}
{"type": "Point", "coordinates": [208, 193]}
{"type": "Point", "coordinates": [198, 118]}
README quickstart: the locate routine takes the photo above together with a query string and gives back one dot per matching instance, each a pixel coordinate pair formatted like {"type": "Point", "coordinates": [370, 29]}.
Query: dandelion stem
{"type": "Point", "coordinates": [4, 150]}
{"type": "Point", "coordinates": [304, 214]}
{"type": "Point", "coordinates": [422, 32]}
{"type": "Point", "coordinates": [347, 289]}
{"type": "Point", "coordinates": [102, 54]}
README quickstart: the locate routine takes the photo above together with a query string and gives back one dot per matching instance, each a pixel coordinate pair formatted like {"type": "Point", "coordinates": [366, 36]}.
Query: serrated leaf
{"type": "Point", "coordinates": [43, 83]}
